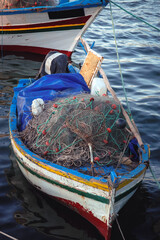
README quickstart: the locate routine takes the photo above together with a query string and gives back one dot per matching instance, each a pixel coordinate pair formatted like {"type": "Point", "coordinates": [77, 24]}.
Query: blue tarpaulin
{"type": "Point", "coordinates": [48, 87]}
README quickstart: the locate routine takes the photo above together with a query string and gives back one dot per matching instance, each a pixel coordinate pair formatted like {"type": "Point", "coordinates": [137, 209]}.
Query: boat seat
{"type": "Point", "coordinates": [91, 66]}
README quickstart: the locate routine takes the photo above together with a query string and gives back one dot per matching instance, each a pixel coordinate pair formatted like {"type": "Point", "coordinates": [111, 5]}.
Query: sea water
{"type": "Point", "coordinates": [26, 213]}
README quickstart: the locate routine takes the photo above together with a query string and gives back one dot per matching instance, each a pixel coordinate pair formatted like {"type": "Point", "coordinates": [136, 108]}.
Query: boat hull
{"type": "Point", "coordinates": [92, 200]}
{"type": "Point", "coordinates": [41, 32]}
{"type": "Point", "coordinates": [96, 198]}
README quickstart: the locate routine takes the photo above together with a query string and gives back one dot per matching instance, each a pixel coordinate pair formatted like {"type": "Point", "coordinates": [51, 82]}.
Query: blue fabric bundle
{"type": "Point", "coordinates": [133, 146]}
{"type": "Point", "coordinates": [48, 87]}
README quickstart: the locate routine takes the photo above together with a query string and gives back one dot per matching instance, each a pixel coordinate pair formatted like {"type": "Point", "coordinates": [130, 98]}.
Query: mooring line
{"type": "Point", "coordinates": [5, 234]}
{"type": "Point", "coordinates": [140, 19]}
{"type": "Point", "coordinates": [154, 176]}
{"type": "Point", "coordinates": [120, 229]}
{"type": "Point", "coordinates": [118, 59]}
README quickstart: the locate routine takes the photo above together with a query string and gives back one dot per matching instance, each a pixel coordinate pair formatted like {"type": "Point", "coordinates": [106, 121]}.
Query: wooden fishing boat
{"type": "Point", "coordinates": [41, 26]}
{"type": "Point", "coordinates": [98, 190]}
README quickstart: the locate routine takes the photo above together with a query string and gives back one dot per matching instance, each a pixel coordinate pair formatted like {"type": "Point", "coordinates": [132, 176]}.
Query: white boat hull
{"type": "Point", "coordinates": [37, 33]}
{"type": "Point", "coordinates": [96, 203]}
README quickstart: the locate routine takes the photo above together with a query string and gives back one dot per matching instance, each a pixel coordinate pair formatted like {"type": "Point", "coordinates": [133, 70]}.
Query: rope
{"type": "Point", "coordinates": [129, 122]}
{"type": "Point", "coordinates": [120, 229]}
{"type": "Point", "coordinates": [152, 180]}
{"type": "Point", "coordinates": [156, 180]}
{"type": "Point", "coordinates": [145, 179]}
{"type": "Point", "coordinates": [83, 119]}
{"type": "Point", "coordinates": [140, 19]}
{"type": "Point", "coordinates": [119, 58]}
{"type": "Point", "coordinates": [154, 176]}
{"type": "Point", "coordinates": [8, 236]}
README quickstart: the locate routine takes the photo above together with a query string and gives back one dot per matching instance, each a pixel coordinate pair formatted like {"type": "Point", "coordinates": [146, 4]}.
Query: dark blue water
{"type": "Point", "coordinates": [27, 214]}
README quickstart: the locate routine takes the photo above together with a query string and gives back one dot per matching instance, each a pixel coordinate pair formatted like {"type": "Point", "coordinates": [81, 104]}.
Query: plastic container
{"type": "Point", "coordinates": [98, 87]}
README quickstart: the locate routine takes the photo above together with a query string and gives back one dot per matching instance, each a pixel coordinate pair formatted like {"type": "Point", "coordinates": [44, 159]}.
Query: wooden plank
{"type": "Point", "coordinates": [91, 66]}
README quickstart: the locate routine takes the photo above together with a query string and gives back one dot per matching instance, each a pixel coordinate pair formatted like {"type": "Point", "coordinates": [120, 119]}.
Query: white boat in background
{"type": "Point", "coordinates": [42, 26]}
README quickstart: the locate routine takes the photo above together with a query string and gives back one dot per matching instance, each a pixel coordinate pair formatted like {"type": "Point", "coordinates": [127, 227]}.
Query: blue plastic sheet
{"type": "Point", "coordinates": [48, 87]}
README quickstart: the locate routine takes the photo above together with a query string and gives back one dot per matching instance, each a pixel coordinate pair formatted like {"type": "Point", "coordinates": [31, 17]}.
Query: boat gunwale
{"type": "Point", "coordinates": [62, 7]}
{"type": "Point", "coordinates": [57, 169]}
{"type": "Point", "coordinates": [123, 191]}
{"type": "Point", "coordinates": [97, 197]}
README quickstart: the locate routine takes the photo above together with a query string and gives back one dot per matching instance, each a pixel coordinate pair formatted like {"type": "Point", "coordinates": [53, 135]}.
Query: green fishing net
{"type": "Point", "coordinates": [62, 132]}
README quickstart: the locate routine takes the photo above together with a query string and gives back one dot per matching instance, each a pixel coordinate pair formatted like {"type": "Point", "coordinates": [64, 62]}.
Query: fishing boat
{"type": "Point", "coordinates": [43, 26]}
{"type": "Point", "coordinates": [82, 148]}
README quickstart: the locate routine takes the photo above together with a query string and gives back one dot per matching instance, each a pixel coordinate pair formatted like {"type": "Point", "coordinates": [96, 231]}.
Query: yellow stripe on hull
{"type": "Point", "coordinates": [39, 28]}
{"type": "Point", "coordinates": [94, 184]}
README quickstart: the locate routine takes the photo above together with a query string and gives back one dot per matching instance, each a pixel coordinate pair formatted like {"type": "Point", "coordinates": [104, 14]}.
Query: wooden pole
{"type": "Point", "coordinates": [133, 129]}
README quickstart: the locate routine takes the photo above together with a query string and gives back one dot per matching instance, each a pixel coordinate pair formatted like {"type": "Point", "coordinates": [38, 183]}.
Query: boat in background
{"type": "Point", "coordinates": [117, 161]}
{"type": "Point", "coordinates": [42, 26]}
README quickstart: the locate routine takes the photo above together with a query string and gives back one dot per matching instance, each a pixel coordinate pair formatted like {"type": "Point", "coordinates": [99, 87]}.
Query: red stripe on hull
{"type": "Point", "coordinates": [27, 49]}
{"type": "Point", "coordinates": [102, 227]}
{"type": "Point", "coordinates": [79, 20]}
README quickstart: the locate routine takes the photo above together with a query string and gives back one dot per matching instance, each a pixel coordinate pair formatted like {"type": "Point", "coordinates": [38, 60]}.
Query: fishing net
{"type": "Point", "coordinates": [27, 3]}
{"type": "Point", "coordinates": [63, 131]}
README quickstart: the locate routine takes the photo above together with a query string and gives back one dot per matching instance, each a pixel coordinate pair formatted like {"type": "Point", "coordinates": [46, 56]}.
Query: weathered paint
{"type": "Point", "coordinates": [102, 226]}
{"type": "Point", "coordinates": [61, 171]}
{"type": "Point", "coordinates": [78, 199]}
{"type": "Point", "coordinates": [43, 27]}
{"type": "Point", "coordinates": [89, 202]}
{"type": "Point", "coordinates": [34, 32]}
{"type": "Point", "coordinates": [88, 195]}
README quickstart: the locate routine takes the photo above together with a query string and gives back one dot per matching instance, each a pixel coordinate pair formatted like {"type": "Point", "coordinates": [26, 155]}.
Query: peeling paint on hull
{"type": "Point", "coordinates": [91, 197]}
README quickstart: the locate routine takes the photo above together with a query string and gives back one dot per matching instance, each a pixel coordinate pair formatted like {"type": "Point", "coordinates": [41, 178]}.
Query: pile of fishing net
{"type": "Point", "coordinates": [27, 3]}
{"type": "Point", "coordinates": [62, 132]}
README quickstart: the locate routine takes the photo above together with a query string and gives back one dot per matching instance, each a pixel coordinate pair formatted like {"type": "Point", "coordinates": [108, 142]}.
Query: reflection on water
{"type": "Point", "coordinates": [44, 214]}
{"type": "Point", "coordinates": [51, 219]}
